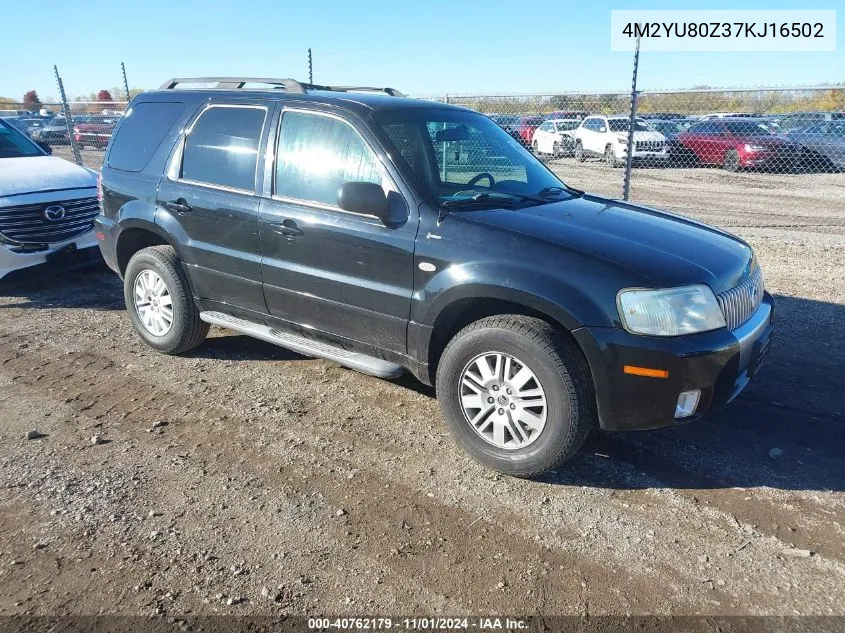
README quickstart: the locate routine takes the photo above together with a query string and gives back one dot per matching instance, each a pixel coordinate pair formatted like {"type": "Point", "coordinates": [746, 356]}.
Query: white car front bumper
{"type": "Point", "coordinates": [11, 261]}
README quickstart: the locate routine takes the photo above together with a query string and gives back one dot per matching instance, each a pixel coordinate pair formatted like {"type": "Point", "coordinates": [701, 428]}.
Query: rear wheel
{"type": "Point", "coordinates": [732, 160]}
{"type": "Point", "coordinates": [159, 301]}
{"type": "Point", "coordinates": [556, 149]}
{"type": "Point", "coordinates": [515, 394]}
{"type": "Point", "coordinates": [535, 146]}
{"type": "Point", "coordinates": [579, 152]}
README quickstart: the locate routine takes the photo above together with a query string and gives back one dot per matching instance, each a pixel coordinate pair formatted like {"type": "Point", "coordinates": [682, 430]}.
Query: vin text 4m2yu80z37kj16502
{"type": "Point", "coordinates": [391, 234]}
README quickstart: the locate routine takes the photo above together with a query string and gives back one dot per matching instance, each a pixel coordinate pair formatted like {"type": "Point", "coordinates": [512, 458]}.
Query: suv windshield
{"type": "Point", "coordinates": [13, 144]}
{"type": "Point", "coordinates": [621, 125]}
{"type": "Point", "coordinates": [454, 154]}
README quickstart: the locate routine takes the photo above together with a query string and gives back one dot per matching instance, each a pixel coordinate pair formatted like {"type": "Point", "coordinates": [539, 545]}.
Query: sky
{"type": "Point", "coordinates": [422, 47]}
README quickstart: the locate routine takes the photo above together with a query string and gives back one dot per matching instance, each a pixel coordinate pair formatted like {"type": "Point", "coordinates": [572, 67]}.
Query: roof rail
{"type": "Point", "coordinates": [289, 85]}
{"type": "Point", "coordinates": [389, 91]}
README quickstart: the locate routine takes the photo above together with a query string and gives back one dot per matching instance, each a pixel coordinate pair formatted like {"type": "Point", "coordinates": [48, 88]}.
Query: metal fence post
{"type": "Point", "coordinates": [125, 83]}
{"type": "Point", "coordinates": [68, 119]}
{"type": "Point", "coordinates": [629, 158]}
{"type": "Point", "coordinates": [310, 68]}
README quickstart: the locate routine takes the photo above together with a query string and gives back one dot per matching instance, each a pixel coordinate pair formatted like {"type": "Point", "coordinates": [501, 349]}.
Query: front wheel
{"type": "Point", "coordinates": [579, 152]}
{"type": "Point", "coordinates": [159, 301]}
{"type": "Point", "coordinates": [516, 394]}
{"type": "Point", "coordinates": [732, 160]}
{"type": "Point", "coordinates": [610, 157]}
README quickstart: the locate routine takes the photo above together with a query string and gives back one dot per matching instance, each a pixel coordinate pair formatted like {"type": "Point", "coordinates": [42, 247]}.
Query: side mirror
{"type": "Point", "coordinates": [363, 197]}
{"type": "Point", "coordinates": [45, 146]}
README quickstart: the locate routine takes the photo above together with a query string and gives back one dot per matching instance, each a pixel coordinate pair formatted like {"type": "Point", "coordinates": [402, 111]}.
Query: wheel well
{"type": "Point", "coordinates": [459, 314]}
{"type": "Point", "coordinates": [133, 240]}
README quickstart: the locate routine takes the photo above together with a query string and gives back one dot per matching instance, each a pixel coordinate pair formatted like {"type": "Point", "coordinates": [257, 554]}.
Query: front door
{"type": "Point", "coordinates": [339, 273]}
{"type": "Point", "coordinates": [208, 202]}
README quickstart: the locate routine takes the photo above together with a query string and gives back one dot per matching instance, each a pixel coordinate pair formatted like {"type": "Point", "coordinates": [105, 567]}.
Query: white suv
{"type": "Point", "coordinates": [607, 136]}
{"type": "Point", "coordinates": [47, 206]}
{"type": "Point", "coordinates": [555, 137]}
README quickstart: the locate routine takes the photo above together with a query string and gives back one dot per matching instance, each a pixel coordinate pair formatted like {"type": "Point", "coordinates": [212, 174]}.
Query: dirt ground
{"type": "Point", "coordinates": [242, 478]}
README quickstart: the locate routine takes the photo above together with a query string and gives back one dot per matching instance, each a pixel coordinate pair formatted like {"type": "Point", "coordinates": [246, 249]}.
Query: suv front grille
{"type": "Point", "coordinates": [741, 301]}
{"type": "Point", "coordinates": [28, 224]}
{"type": "Point", "coordinates": [648, 146]}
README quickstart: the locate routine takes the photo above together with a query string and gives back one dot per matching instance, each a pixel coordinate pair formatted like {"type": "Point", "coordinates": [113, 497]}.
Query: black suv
{"type": "Point", "coordinates": [390, 234]}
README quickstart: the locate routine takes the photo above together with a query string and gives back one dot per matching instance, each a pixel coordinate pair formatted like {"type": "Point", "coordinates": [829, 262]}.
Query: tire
{"type": "Point", "coordinates": [560, 373]}
{"type": "Point", "coordinates": [731, 161]}
{"type": "Point", "coordinates": [610, 157]}
{"type": "Point", "coordinates": [535, 147]}
{"type": "Point", "coordinates": [186, 331]}
{"type": "Point", "coordinates": [556, 152]}
{"type": "Point", "coordinates": [579, 152]}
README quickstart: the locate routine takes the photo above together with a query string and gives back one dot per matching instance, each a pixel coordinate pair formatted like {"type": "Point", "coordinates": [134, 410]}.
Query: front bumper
{"type": "Point", "coordinates": [66, 255]}
{"type": "Point", "coordinates": [719, 363]}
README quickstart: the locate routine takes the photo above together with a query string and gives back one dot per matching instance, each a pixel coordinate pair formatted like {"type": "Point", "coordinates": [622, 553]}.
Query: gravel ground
{"type": "Point", "coordinates": [245, 479]}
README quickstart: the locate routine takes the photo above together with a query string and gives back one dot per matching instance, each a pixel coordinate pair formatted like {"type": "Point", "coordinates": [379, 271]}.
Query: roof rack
{"type": "Point", "coordinates": [288, 85]}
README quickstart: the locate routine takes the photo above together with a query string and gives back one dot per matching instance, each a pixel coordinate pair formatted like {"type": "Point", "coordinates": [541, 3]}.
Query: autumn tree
{"type": "Point", "coordinates": [104, 95]}
{"type": "Point", "coordinates": [31, 100]}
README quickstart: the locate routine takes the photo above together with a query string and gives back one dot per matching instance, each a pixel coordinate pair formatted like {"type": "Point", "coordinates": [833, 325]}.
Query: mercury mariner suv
{"type": "Point", "coordinates": [390, 234]}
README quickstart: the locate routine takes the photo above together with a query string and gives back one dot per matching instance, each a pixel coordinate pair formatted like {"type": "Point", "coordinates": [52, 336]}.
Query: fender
{"type": "Point", "coordinates": [550, 294]}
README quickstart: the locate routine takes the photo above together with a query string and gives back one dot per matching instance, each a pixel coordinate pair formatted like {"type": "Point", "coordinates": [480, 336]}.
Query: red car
{"type": "Point", "coordinates": [526, 127]}
{"type": "Point", "coordinates": [95, 132]}
{"type": "Point", "coordinates": [737, 144]}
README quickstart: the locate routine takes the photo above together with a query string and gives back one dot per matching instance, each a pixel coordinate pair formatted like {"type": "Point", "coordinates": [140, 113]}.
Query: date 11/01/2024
{"type": "Point", "coordinates": [417, 624]}
{"type": "Point", "coordinates": [724, 29]}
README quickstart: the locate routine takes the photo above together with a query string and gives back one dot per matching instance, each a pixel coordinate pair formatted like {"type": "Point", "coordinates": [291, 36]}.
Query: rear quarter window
{"type": "Point", "coordinates": [141, 132]}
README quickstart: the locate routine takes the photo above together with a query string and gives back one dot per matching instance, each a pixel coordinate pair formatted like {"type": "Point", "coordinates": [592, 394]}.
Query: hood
{"type": "Point", "coordinates": [41, 173]}
{"type": "Point", "coordinates": [652, 248]}
{"type": "Point", "coordinates": [648, 136]}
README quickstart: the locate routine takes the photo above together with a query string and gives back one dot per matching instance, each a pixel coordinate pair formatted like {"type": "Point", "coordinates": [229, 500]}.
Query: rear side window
{"type": "Point", "coordinates": [316, 154]}
{"type": "Point", "coordinates": [222, 147]}
{"type": "Point", "coordinates": [143, 128]}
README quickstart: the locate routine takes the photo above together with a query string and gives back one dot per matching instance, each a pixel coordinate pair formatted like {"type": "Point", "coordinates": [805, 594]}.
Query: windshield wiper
{"type": "Point", "coordinates": [548, 191]}
{"type": "Point", "coordinates": [500, 198]}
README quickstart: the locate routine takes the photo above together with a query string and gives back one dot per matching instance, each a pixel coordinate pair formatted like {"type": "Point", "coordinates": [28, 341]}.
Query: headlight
{"type": "Point", "coordinates": [754, 148]}
{"type": "Point", "coordinates": [671, 311]}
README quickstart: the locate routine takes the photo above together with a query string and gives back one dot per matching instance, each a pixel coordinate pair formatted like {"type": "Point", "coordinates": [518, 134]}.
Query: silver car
{"type": "Point", "coordinates": [823, 144]}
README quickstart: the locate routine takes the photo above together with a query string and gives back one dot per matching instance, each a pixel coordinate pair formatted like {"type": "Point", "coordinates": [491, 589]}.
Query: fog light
{"type": "Point", "coordinates": [687, 403]}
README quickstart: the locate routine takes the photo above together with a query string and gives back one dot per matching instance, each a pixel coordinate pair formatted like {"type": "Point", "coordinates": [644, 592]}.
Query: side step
{"type": "Point", "coordinates": [305, 346]}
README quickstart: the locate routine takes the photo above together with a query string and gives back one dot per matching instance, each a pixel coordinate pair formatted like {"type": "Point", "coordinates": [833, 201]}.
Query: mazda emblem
{"type": "Point", "coordinates": [54, 213]}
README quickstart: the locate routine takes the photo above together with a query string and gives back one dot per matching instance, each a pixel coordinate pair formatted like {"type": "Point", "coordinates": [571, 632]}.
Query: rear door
{"type": "Point", "coordinates": [343, 274]}
{"type": "Point", "coordinates": [208, 202]}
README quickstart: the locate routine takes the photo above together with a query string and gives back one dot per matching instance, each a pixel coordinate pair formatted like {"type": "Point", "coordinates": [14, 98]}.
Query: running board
{"type": "Point", "coordinates": [306, 346]}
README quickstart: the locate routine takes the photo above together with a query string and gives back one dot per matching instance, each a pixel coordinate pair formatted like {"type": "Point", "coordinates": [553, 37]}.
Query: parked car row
{"type": "Point", "coordinates": [733, 140]}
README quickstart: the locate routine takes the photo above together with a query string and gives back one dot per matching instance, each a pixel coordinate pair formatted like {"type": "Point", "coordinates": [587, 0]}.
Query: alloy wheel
{"type": "Point", "coordinates": [153, 303]}
{"type": "Point", "coordinates": [503, 401]}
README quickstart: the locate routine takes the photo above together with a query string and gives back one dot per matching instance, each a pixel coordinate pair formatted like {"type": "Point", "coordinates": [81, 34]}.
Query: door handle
{"type": "Point", "coordinates": [287, 228]}
{"type": "Point", "coordinates": [179, 206]}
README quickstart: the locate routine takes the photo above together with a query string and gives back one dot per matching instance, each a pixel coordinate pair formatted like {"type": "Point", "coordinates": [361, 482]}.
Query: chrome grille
{"type": "Point", "coordinates": [741, 301]}
{"type": "Point", "coordinates": [649, 146]}
{"type": "Point", "coordinates": [27, 224]}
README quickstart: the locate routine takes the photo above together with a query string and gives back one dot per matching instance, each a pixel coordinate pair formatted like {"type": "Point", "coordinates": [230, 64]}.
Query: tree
{"type": "Point", "coordinates": [104, 95]}
{"type": "Point", "coordinates": [31, 100]}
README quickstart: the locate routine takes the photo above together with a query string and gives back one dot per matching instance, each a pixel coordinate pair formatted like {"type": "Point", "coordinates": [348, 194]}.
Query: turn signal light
{"type": "Point", "coordinates": [645, 371]}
